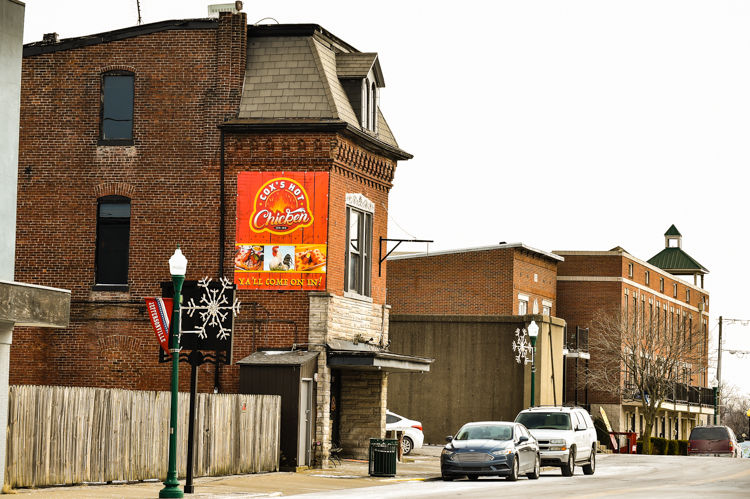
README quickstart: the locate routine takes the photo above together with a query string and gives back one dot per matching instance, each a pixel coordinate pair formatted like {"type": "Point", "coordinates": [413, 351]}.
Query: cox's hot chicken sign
{"type": "Point", "coordinates": [282, 222]}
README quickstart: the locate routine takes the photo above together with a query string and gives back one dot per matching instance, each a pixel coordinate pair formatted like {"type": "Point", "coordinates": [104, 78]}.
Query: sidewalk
{"type": "Point", "coordinates": [420, 465]}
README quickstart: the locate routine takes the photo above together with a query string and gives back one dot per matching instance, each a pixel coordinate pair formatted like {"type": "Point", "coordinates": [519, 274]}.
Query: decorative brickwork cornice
{"type": "Point", "coordinates": [371, 169]}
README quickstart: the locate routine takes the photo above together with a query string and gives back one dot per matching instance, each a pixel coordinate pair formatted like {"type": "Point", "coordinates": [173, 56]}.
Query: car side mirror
{"type": "Point", "coordinates": [449, 439]}
{"type": "Point", "coordinates": [523, 439]}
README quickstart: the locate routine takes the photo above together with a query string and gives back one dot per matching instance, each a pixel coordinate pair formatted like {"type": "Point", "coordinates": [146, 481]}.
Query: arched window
{"type": "Point", "coordinates": [367, 106]}
{"type": "Point", "coordinates": [373, 106]}
{"type": "Point", "coordinates": [116, 124]}
{"type": "Point", "coordinates": [112, 240]}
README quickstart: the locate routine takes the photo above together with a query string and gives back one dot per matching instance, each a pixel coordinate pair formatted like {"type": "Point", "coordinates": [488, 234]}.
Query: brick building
{"type": "Point", "coordinates": [463, 308]}
{"type": "Point", "coordinates": [135, 140]}
{"type": "Point", "coordinates": [616, 282]}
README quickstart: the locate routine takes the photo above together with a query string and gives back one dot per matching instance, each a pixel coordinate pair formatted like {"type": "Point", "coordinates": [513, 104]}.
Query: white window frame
{"type": "Point", "coordinates": [546, 307]}
{"type": "Point", "coordinates": [525, 300]}
{"type": "Point", "coordinates": [361, 254]}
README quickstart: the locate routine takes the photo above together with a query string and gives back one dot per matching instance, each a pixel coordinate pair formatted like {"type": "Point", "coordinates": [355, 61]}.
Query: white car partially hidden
{"type": "Point", "coordinates": [413, 436]}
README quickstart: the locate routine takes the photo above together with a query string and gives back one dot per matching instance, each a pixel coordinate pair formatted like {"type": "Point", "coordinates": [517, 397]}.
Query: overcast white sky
{"type": "Point", "coordinates": [576, 125]}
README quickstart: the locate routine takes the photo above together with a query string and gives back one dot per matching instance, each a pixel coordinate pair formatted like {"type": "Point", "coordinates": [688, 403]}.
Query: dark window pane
{"type": "Point", "coordinates": [117, 107]}
{"type": "Point", "coordinates": [112, 243]}
{"type": "Point", "coordinates": [709, 433]}
{"type": "Point", "coordinates": [114, 210]}
{"type": "Point", "coordinates": [354, 267]}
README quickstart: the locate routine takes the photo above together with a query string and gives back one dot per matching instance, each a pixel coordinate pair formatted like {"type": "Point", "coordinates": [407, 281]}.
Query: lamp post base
{"type": "Point", "coordinates": [171, 490]}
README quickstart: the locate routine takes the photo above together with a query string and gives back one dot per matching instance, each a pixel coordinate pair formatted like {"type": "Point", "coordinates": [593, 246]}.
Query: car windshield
{"type": "Point", "coordinates": [544, 420]}
{"type": "Point", "coordinates": [709, 433]}
{"type": "Point", "coordinates": [485, 432]}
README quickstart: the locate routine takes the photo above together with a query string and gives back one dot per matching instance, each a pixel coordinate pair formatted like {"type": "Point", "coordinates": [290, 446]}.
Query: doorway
{"type": "Point", "coordinates": [305, 422]}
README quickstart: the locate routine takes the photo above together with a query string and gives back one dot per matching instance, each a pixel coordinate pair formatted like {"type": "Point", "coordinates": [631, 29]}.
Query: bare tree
{"type": "Point", "coordinates": [734, 409]}
{"type": "Point", "coordinates": [642, 356]}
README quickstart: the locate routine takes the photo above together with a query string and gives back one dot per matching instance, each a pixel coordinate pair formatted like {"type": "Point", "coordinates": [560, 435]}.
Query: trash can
{"type": "Point", "coordinates": [383, 454]}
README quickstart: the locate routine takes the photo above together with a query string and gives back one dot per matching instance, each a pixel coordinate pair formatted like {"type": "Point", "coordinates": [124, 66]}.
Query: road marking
{"type": "Point", "coordinates": [656, 487]}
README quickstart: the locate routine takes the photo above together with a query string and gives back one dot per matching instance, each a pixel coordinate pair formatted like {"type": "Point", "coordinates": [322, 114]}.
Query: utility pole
{"type": "Point", "coordinates": [717, 409]}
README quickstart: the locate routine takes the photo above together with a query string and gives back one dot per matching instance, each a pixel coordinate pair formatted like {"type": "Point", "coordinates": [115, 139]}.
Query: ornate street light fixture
{"type": "Point", "coordinates": [177, 267]}
{"type": "Point", "coordinates": [525, 351]}
{"type": "Point", "coordinates": [533, 333]}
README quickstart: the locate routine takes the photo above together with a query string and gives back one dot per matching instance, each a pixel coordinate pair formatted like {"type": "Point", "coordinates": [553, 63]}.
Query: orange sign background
{"type": "Point", "coordinates": [282, 230]}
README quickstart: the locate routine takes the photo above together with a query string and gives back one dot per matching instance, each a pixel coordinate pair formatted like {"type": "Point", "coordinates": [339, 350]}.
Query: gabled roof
{"type": "Point", "coordinates": [672, 231]}
{"type": "Point", "coordinates": [676, 261]}
{"type": "Point", "coordinates": [358, 65]}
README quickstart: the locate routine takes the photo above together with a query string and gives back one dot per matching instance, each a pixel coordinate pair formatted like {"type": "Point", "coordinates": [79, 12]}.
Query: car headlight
{"type": "Point", "coordinates": [557, 444]}
{"type": "Point", "coordinates": [502, 452]}
{"type": "Point", "coordinates": [448, 454]}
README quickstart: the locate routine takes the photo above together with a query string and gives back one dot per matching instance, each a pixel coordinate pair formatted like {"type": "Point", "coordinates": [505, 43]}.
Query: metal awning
{"type": "Point", "coordinates": [361, 356]}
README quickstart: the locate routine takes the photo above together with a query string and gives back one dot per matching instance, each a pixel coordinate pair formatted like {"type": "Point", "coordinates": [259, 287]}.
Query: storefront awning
{"type": "Point", "coordinates": [362, 356]}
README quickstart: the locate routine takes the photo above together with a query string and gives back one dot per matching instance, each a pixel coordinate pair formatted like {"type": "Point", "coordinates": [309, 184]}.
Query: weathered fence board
{"type": "Point", "coordinates": [65, 435]}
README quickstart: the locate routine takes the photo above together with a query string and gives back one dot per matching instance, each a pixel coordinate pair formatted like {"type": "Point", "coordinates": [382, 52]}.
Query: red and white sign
{"type": "Point", "coordinates": [160, 313]}
{"type": "Point", "coordinates": [282, 230]}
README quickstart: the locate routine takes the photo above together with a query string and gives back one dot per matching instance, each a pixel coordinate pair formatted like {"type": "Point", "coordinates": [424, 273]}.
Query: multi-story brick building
{"type": "Point", "coordinates": [135, 140]}
{"type": "Point", "coordinates": [463, 308]}
{"type": "Point", "coordinates": [617, 283]}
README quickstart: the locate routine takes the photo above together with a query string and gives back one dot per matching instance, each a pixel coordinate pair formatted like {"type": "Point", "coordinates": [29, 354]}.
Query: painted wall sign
{"type": "Point", "coordinates": [282, 230]}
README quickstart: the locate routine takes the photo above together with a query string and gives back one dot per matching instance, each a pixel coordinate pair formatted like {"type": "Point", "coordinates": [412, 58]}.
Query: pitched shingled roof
{"type": "Point", "coordinates": [294, 74]}
{"type": "Point", "coordinates": [674, 260]}
{"type": "Point", "coordinates": [358, 65]}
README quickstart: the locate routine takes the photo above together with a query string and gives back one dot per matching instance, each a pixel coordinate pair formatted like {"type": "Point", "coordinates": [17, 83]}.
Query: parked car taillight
{"type": "Point", "coordinates": [417, 427]}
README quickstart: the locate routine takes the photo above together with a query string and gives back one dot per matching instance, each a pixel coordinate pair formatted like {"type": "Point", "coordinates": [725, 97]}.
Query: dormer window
{"type": "Point", "coordinates": [362, 79]}
{"type": "Point", "coordinates": [369, 105]}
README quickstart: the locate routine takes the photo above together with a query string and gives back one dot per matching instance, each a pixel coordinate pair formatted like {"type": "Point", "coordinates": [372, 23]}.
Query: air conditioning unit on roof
{"type": "Point", "coordinates": [215, 9]}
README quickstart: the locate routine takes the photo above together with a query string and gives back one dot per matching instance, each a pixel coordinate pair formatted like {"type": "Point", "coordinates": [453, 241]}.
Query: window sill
{"type": "Point", "coordinates": [357, 296]}
{"type": "Point", "coordinates": [120, 288]}
{"type": "Point", "coordinates": [115, 142]}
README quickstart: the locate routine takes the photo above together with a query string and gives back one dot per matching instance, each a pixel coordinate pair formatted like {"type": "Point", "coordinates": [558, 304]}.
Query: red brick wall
{"type": "Point", "coordinates": [187, 82]}
{"type": "Point", "coordinates": [579, 301]}
{"type": "Point", "coordinates": [484, 282]}
{"type": "Point", "coordinates": [536, 277]}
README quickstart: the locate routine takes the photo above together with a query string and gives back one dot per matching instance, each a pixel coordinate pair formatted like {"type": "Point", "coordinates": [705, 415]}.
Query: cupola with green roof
{"type": "Point", "coordinates": [674, 260]}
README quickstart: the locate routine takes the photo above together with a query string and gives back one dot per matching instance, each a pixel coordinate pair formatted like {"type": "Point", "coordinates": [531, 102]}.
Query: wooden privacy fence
{"type": "Point", "coordinates": [66, 435]}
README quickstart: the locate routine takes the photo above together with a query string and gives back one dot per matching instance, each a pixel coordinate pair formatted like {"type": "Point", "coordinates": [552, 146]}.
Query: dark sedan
{"type": "Point", "coordinates": [490, 448]}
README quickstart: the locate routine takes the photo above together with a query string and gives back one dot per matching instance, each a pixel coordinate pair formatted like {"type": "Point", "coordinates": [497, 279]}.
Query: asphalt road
{"type": "Point", "coordinates": [616, 476]}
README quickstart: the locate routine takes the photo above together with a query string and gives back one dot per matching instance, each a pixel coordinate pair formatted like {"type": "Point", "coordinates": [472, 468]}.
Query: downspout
{"type": "Point", "coordinates": [222, 209]}
{"type": "Point", "coordinates": [552, 362]}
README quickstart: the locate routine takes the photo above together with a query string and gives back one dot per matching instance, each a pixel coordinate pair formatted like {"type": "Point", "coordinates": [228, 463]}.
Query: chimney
{"type": "Point", "coordinates": [51, 38]}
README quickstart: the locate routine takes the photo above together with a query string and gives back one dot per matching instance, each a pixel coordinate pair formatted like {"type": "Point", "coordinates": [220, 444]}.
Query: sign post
{"type": "Point", "coordinates": [207, 322]}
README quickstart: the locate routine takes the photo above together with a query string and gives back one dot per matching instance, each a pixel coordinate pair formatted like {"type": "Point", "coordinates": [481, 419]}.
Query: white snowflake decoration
{"type": "Point", "coordinates": [213, 308]}
{"type": "Point", "coordinates": [522, 347]}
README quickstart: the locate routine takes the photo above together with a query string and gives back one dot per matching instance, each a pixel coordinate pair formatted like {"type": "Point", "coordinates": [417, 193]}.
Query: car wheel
{"type": "Point", "coordinates": [447, 478]}
{"type": "Point", "coordinates": [535, 474]}
{"type": "Point", "coordinates": [588, 469]}
{"type": "Point", "coordinates": [513, 471]}
{"type": "Point", "coordinates": [406, 445]}
{"type": "Point", "coordinates": [570, 467]}
{"type": "Point", "coordinates": [473, 477]}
